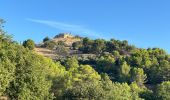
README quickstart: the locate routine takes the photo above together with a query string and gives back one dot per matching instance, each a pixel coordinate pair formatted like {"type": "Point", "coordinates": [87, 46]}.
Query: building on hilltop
{"type": "Point", "coordinates": [64, 35]}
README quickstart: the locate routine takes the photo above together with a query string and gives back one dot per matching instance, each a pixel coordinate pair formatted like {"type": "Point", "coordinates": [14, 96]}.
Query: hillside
{"type": "Point", "coordinates": [103, 55]}
{"type": "Point", "coordinates": [101, 70]}
{"type": "Point", "coordinates": [71, 45]}
{"type": "Point", "coordinates": [74, 50]}
{"type": "Point", "coordinates": [82, 69]}
{"type": "Point", "coordinates": [66, 38]}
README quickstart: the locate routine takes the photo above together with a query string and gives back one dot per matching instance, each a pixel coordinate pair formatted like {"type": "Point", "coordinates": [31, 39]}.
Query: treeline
{"type": "Point", "coordinates": [100, 46]}
{"type": "Point", "coordinates": [25, 75]}
{"type": "Point", "coordinates": [122, 61]}
{"type": "Point", "coordinates": [28, 76]}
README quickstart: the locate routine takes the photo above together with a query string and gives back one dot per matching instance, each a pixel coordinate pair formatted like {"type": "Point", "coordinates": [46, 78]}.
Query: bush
{"type": "Point", "coordinates": [49, 44]}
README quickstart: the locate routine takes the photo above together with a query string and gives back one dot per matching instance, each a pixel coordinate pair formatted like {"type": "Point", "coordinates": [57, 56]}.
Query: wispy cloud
{"type": "Point", "coordinates": [78, 29]}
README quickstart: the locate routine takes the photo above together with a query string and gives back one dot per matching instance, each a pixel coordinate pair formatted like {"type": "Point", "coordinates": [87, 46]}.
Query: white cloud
{"type": "Point", "coordinates": [78, 29]}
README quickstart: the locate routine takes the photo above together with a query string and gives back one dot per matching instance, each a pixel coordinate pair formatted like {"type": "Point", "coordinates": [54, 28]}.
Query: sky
{"type": "Point", "coordinates": [144, 23]}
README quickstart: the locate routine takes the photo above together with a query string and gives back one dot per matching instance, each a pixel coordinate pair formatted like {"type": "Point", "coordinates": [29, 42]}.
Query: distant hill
{"type": "Point", "coordinates": [66, 44]}
{"type": "Point", "coordinates": [67, 38]}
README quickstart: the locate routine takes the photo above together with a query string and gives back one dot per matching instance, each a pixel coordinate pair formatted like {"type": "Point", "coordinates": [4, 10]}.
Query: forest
{"type": "Point", "coordinates": [116, 71]}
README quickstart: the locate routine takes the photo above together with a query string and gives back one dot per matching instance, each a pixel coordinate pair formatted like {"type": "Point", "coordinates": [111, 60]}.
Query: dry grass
{"type": "Point", "coordinates": [45, 52]}
{"type": "Point", "coordinates": [52, 53]}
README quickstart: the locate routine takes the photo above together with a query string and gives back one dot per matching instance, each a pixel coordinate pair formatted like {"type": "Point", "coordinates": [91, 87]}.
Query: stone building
{"type": "Point", "coordinates": [64, 35]}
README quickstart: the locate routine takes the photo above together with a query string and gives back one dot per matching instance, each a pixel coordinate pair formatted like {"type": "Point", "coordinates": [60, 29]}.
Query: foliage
{"type": "Point", "coordinates": [138, 76]}
{"type": "Point", "coordinates": [77, 45]}
{"type": "Point", "coordinates": [46, 39]}
{"type": "Point", "coordinates": [49, 44]}
{"type": "Point", "coordinates": [62, 50]}
{"type": "Point", "coordinates": [162, 91]}
{"type": "Point", "coordinates": [7, 65]}
{"type": "Point", "coordinates": [30, 78]}
{"type": "Point", "coordinates": [124, 72]}
{"type": "Point", "coordinates": [23, 74]}
{"type": "Point", "coordinates": [29, 44]}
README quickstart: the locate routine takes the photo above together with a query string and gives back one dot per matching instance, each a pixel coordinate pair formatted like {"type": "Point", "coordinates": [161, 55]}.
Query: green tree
{"type": "Point", "coordinates": [46, 39]}
{"type": "Point", "coordinates": [123, 92]}
{"type": "Point", "coordinates": [116, 53]}
{"type": "Point", "coordinates": [62, 50]}
{"type": "Point", "coordinates": [49, 44]}
{"type": "Point", "coordinates": [84, 91]}
{"type": "Point", "coordinates": [29, 44]}
{"type": "Point", "coordinates": [87, 45]}
{"type": "Point", "coordinates": [111, 46]}
{"type": "Point", "coordinates": [7, 67]}
{"type": "Point", "coordinates": [124, 70]}
{"type": "Point", "coordinates": [162, 91]}
{"type": "Point", "coordinates": [165, 70]}
{"type": "Point", "coordinates": [144, 93]}
{"type": "Point", "coordinates": [7, 60]}
{"type": "Point", "coordinates": [138, 76]}
{"type": "Point", "coordinates": [30, 78]}
{"type": "Point", "coordinates": [98, 46]}
{"type": "Point", "coordinates": [106, 64]}
{"type": "Point", "coordinates": [77, 45]}
{"type": "Point", "coordinates": [81, 81]}
{"type": "Point", "coordinates": [72, 64]}
{"type": "Point", "coordinates": [23, 75]}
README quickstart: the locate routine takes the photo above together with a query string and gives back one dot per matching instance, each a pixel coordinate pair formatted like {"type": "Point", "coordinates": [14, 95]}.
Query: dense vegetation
{"type": "Point", "coordinates": [118, 72]}
{"type": "Point", "coordinates": [126, 63]}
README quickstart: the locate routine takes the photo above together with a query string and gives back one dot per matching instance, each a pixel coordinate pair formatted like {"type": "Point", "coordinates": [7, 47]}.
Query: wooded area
{"type": "Point", "coordinates": [119, 71]}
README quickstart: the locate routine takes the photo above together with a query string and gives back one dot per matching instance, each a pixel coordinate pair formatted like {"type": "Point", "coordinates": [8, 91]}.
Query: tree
{"type": "Point", "coordinates": [106, 64]}
{"type": "Point", "coordinates": [46, 39]}
{"type": "Point", "coordinates": [165, 70]}
{"type": "Point", "coordinates": [85, 91]}
{"type": "Point", "coordinates": [88, 73]}
{"type": "Point", "coordinates": [81, 81]}
{"type": "Point", "coordinates": [29, 44]}
{"type": "Point", "coordinates": [86, 41]}
{"type": "Point", "coordinates": [124, 72]}
{"type": "Point", "coordinates": [7, 60]}
{"type": "Point", "coordinates": [7, 66]}
{"type": "Point", "coordinates": [62, 50]}
{"type": "Point", "coordinates": [123, 92]}
{"type": "Point", "coordinates": [159, 72]}
{"type": "Point", "coordinates": [71, 64]}
{"type": "Point", "coordinates": [77, 45]}
{"type": "Point", "coordinates": [116, 53]}
{"type": "Point", "coordinates": [143, 93]}
{"type": "Point", "coordinates": [162, 91]}
{"type": "Point", "coordinates": [87, 45]}
{"type": "Point", "coordinates": [98, 46]}
{"type": "Point", "coordinates": [49, 44]}
{"type": "Point", "coordinates": [31, 80]}
{"type": "Point", "coordinates": [23, 75]}
{"type": "Point", "coordinates": [110, 46]}
{"type": "Point", "coordinates": [138, 76]}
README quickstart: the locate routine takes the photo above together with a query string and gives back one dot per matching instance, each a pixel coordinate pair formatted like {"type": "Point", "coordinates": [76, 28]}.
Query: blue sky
{"type": "Point", "coordinates": [144, 23]}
